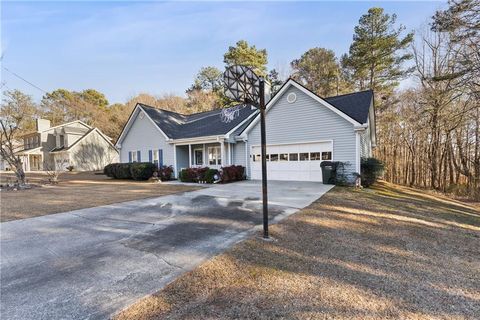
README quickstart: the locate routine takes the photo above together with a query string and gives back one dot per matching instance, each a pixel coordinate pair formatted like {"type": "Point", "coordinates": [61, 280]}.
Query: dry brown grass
{"type": "Point", "coordinates": [75, 191]}
{"type": "Point", "coordinates": [384, 253]}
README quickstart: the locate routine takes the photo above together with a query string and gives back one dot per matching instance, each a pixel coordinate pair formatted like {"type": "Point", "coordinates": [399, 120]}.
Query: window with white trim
{"type": "Point", "coordinates": [133, 156]}
{"type": "Point", "coordinates": [155, 157]}
{"type": "Point", "coordinates": [214, 156]}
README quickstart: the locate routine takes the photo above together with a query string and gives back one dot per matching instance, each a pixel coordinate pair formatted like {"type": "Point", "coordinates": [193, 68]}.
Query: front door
{"type": "Point", "coordinates": [198, 157]}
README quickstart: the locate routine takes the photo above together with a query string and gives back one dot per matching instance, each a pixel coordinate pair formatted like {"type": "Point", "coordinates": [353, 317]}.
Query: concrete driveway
{"type": "Point", "coordinates": [91, 263]}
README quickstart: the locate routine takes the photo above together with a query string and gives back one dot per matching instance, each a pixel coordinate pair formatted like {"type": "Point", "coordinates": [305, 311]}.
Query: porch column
{"type": "Point", "coordinates": [222, 152]}
{"type": "Point", "coordinates": [205, 156]}
{"type": "Point", "coordinates": [175, 174]}
{"type": "Point", "coordinates": [189, 155]}
{"type": "Point", "coordinates": [229, 154]}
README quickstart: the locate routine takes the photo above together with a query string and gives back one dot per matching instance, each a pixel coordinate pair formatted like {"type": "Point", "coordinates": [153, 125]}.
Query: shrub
{"type": "Point", "coordinates": [232, 173]}
{"type": "Point", "coordinates": [371, 169]}
{"type": "Point", "coordinates": [122, 171]}
{"type": "Point", "coordinates": [142, 170]}
{"type": "Point", "coordinates": [204, 174]}
{"type": "Point", "coordinates": [165, 173]}
{"type": "Point", "coordinates": [69, 168]}
{"type": "Point", "coordinates": [210, 175]}
{"type": "Point", "coordinates": [188, 175]}
{"type": "Point", "coordinates": [108, 170]}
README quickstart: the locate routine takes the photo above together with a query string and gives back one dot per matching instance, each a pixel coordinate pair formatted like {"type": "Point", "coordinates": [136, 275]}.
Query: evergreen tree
{"type": "Point", "coordinates": [244, 54]}
{"type": "Point", "coordinates": [377, 55]}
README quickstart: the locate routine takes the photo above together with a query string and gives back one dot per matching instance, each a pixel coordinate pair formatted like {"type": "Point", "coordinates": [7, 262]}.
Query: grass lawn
{"type": "Point", "coordinates": [383, 253]}
{"type": "Point", "coordinates": [76, 190]}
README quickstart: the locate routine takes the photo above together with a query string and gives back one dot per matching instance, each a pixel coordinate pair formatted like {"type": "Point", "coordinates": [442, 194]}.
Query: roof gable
{"type": "Point", "coordinates": [353, 107]}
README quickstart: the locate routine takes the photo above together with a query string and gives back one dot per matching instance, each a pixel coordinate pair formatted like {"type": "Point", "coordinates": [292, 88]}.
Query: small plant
{"type": "Point", "coordinates": [165, 173]}
{"type": "Point", "coordinates": [371, 169]}
{"type": "Point", "coordinates": [232, 173]}
{"type": "Point", "coordinates": [69, 168]}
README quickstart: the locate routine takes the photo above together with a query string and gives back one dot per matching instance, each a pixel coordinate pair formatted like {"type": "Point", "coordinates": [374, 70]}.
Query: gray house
{"type": "Point", "coordinates": [303, 130]}
{"type": "Point", "coordinates": [73, 144]}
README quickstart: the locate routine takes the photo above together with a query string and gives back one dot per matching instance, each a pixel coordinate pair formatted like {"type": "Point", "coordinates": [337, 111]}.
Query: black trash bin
{"type": "Point", "coordinates": [329, 171]}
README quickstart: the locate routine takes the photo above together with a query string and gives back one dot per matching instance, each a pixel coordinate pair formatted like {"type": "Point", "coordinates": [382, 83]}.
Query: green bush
{"type": "Point", "coordinates": [122, 171]}
{"type": "Point", "coordinates": [142, 170]}
{"type": "Point", "coordinates": [210, 175]}
{"type": "Point", "coordinates": [188, 175]}
{"type": "Point", "coordinates": [371, 169]}
{"type": "Point", "coordinates": [204, 174]}
{"type": "Point", "coordinates": [108, 170]}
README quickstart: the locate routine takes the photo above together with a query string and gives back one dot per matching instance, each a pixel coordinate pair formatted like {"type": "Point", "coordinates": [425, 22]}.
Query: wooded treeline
{"type": "Point", "coordinates": [427, 135]}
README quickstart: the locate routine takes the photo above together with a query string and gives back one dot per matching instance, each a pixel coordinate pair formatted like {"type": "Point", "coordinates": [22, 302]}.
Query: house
{"type": "Point", "coordinates": [303, 130]}
{"type": "Point", "coordinates": [71, 144]}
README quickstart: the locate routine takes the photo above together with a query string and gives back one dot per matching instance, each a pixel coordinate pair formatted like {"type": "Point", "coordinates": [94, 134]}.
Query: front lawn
{"type": "Point", "coordinates": [76, 190]}
{"type": "Point", "coordinates": [383, 253]}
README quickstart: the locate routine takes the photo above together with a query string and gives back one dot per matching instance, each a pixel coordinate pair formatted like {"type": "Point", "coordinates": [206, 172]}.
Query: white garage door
{"type": "Point", "coordinates": [300, 162]}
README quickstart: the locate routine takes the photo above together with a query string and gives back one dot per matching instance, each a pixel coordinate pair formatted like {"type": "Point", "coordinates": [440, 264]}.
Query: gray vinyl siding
{"type": "Point", "coordinates": [365, 144]}
{"type": "Point", "coordinates": [239, 154]}
{"type": "Point", "coordinates": [306, 120]}
{"type": "Point", "coordinates": [143, 136]}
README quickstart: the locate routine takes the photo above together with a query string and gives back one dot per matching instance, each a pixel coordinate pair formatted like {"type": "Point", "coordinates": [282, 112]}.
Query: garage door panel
{"type": "Point", "coordinates": [290, 170]}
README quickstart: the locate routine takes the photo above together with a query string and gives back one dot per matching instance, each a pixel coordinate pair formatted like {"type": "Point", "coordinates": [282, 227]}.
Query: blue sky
{"type": "Point", "coordinates": [124, 48]}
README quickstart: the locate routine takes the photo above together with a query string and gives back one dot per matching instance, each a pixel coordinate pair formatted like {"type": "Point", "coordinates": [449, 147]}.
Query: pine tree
{"type": "Point", "coordinates": [377, 55]}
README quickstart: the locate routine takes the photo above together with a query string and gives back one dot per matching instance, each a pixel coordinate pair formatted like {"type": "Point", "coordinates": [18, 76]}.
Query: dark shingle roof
{"type": "Point", "coordinates": [355, 105]}
{"type": "Point", "coordinates": [178, 126]}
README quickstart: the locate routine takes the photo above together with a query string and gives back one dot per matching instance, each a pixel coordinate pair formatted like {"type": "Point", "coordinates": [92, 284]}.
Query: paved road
{"type": "Point", "coordinates": [91, 263]}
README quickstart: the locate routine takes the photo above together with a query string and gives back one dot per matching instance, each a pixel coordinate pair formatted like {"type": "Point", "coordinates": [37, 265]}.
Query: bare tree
{"type": "Point", "coordinates": [9, 149]}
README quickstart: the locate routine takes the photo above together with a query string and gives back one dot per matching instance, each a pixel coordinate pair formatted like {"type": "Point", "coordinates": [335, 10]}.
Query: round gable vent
{"type": "Point", "coordinates": [292, 97]}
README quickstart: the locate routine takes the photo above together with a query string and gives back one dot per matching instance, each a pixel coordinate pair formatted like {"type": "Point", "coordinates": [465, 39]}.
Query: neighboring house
{"type": "Point", "coordinates": [302, 128]}
{"type": "Point", "coordinates": [71, 144]}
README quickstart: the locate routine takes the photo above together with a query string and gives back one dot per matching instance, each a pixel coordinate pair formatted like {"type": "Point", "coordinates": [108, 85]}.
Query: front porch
{"type": "Point", "coordinates": [206, 154]}
{"type": "Point", "coordinates": [32, 160]}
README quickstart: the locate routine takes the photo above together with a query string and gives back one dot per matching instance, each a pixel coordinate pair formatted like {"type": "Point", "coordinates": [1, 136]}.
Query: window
{"type": "Point", "coordinates": [267, 157]}
{"type": "Point", "coordinates": [198, 157]}
{"type": "Point", "coordinates": [283, 156]}
{"type": "Point", "coordinates": [257, 157]}
{"type": "Point", "coordinates": [214, 156]}
{"type": "Point", "coordinates": [293, 156]}
{"type": "Point", "coordinates": [62, 140]}
{"type": "Point", "coordinates": [304, 156]}
{"type": "Point", "coordinates": [133, 156]}
{"type": "Point", "coordinates": [314, 156]}
{"type": "Point", "coordinates": [327, 155]}
{"type": "Point", "coordinates": [274, 157]}
{"type": "Point", "coordinates": [155, 158]}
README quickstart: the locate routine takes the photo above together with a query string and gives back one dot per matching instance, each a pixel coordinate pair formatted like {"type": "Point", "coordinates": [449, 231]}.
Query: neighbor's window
{"type": "Point", "coordinates": [304, 156]}
{"type": "Point", "coordinates": [293, 156]}
{"type": "Point", "coordinates": [214, 156]}
{"type": "Point", "coordinates": [62, 140]}
{"type": "Point", "coordinates": [314, 156]}
{"type": "Point", "coordinates": [327, 155]}
{"type": "Point", "coordinates": [283, 156]}
{"type": "Point", "coordinates": [274, 157]}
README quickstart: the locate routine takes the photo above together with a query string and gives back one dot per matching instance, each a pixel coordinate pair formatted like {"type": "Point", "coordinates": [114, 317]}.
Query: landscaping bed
{"type": "Point", "coordinates": [388, 252]}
